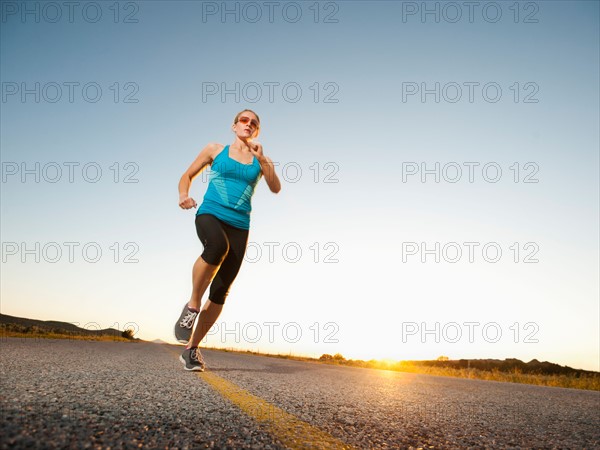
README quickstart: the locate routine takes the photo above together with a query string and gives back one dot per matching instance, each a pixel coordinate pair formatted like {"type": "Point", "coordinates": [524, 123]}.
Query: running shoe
{"type": "Point", "coordinates": [192, 359]}
{"type": "Point", "coordinates": [185, 324]}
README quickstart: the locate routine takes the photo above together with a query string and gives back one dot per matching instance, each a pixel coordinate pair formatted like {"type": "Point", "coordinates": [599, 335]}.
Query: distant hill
{"type": "Point", "coordinates": [22, 324]}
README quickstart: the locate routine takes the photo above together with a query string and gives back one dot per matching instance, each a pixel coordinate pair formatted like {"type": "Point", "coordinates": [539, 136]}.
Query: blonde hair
{"type": "Point", "coordinates": [257, 131]}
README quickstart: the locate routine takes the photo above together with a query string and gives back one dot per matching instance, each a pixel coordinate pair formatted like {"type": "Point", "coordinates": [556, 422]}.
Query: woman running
{"type": "Point", "coordinates": [222, 224]}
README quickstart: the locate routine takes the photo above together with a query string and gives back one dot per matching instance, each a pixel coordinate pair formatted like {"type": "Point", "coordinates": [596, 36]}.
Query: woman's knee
{"type": "Point", "coordinates": [215, 252]}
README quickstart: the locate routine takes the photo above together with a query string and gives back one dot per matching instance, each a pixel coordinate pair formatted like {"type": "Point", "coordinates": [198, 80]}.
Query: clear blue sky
{"type": "Point", "coordinates": [346, 146]}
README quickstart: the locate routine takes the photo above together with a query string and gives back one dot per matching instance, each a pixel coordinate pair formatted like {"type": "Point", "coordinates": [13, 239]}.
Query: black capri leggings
{"type": "Point", "coordinates": [224, 245]}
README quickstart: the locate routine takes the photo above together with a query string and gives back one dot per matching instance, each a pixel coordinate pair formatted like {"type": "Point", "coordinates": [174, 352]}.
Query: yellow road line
{"type": "Point", "coordinates": [291, 431]}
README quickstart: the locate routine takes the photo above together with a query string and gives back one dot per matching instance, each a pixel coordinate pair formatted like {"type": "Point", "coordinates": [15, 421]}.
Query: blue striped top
{"type": "Point", "coordinates": [230, 189]}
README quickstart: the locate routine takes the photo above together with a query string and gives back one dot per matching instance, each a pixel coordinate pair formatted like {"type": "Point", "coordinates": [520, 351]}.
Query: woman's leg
{"type": "Point", "coordinates": [202, 274]}
{"type": "Point", "coordinates": [216, 246]}
{"type": "Point", "coordinates": [208, 316]}
{"type": "Point", "coordinates": [219, 289]}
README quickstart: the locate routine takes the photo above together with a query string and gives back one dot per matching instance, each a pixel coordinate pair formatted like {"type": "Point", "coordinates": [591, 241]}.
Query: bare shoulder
{"type": "Point", "coordinates": [212, 149]}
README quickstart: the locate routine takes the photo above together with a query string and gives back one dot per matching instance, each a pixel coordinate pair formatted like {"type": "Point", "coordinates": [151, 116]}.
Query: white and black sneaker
{"type": "Point", "coordinates": [185, 324]}
{"type": "Point", "coordinates": [192, 359]}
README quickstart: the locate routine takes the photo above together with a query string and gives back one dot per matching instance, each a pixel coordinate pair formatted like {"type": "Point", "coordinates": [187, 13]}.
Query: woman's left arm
{"type": "Point", "coordinates": [267, 167]}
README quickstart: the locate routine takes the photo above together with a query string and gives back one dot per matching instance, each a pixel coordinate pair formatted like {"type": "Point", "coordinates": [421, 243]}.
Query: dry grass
{"type": "Point", "coordinates": [104, 338]}
{"type": "Point", "coordinates": [565, 381]}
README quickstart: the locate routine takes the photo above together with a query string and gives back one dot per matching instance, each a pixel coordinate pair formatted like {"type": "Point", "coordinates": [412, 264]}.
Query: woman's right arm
{"type": "Point", "coordinates": [205, 157]}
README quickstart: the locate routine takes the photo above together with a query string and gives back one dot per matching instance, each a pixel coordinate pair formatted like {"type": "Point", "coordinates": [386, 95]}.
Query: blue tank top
{"type": "Point", "coordinates": [230, 188]}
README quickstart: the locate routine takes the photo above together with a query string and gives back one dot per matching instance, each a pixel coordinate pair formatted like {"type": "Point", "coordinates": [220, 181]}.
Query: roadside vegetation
{"type": "Point", "coordinates": [13, 330]}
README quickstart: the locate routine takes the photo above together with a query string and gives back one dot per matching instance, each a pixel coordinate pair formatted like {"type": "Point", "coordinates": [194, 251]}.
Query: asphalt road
{"type": "Point", "coordinates": [85, 394]}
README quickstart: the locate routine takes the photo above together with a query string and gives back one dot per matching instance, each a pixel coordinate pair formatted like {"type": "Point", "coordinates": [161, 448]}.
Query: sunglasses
{"type": "Point", "coordinates": [245, 120]}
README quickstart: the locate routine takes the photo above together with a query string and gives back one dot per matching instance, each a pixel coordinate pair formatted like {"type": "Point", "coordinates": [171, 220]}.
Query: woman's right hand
{"type": "Point", "coordinates": [187, 202]}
